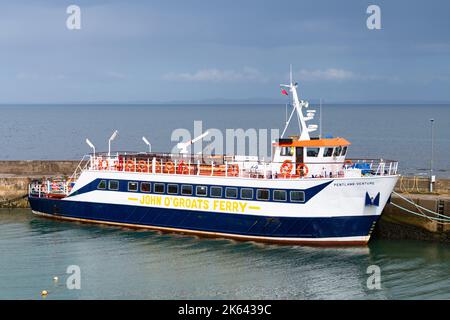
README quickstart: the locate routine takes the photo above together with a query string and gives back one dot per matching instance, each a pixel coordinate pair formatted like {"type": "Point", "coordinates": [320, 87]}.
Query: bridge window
{"type": "Point", "coordinates": [344, 151]}
{"type": "Point", "coordinates": [186, 190]}
{"type": "Point", "coordinates": [102, 185]}
{"type": "Point", "coordinates": [231, 193]}
{"type": "Point", "coordinates": [328, 152]}
{"type": "Point", "coordinates": [337, 152]}
{"type": "Point", "coordinates": [297, 196]}
{"type": "Point", "coordinates": [145, 186]}
{"type": "Point", "coordinates": [201, 191]}
{"type": "Point", "coordinates": [216, 192]}
{"type": "Point", "coordinates": [287, 151]}
{"type": "Point", "coordinates": [262, 194]}
{"type": "Point", "coordinates": [132, 186]}
{"type": "Point", "coordinates": [172, 189]}
{"type": "Point", "coordinates": [312, 152]}
{"type": "Point", "coordinates": [113, 185]}
{"type": "Point", "coordinates": [279, 195]}
{"type": "Point", "coordinates": [159, 187]}
{"type": "Point", "coordinates": [247, 193]}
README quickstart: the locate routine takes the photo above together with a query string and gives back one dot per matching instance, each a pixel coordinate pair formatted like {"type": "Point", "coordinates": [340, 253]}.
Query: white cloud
{"type": "Point", "coordinates": [327, 74]}
{"type": "Point", "coordinates": [217, 75]}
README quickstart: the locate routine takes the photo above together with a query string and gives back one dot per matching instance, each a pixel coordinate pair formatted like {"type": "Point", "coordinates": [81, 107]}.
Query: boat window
{"type": "Point", "coordinates": [344, 151]}
{"type": "Point", "coordinates": [297, 196]}
{"type": "Point", "coordinates": [231, 193]}
{"type": "Point", "coordinates": [337, 152]}
{"type": "Point", "coordinates": [287, 151]}
{"type": "Point", "coordinates": [216, 192]}
{"type": "Point", "coordinates": [186, 189]}
{"type": "Point", "coordinates": [328, 152]}
{"type": "Point", "coordinates": [159, 187]}
{"type": "Point", "coordinates": [145, 186]}
{"type": "Point", "coordinates": [262, 194]}
{"type": "Point", "coordinates": [102, 185]}
{"type": "Point", "coordinates": [132, 186]}
{"type": "Point", "coordinates": [279, 195]}
{"type": "Point", "coordinates": [312, 152]}
{"type": "Point", "coordinates": [172, 189]}
{"type": "Point", "coordinates": [201, 191]}
{"type": "Point", "coordinates": [113, 185]}
{"type": "Point", "coordinates": [246, 193]}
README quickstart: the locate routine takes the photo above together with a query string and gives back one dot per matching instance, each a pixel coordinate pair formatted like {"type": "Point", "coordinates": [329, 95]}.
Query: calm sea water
{"type": "Point", "coordinates": [118, 263]}
{"type": "Point", "coordinates": [400, 132]}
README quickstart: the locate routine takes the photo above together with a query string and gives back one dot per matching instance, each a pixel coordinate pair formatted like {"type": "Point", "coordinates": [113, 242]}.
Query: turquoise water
{"type": "Point", "coordinates": [117, 263]}
{"type": "Point", "coordinates": [398, 132]}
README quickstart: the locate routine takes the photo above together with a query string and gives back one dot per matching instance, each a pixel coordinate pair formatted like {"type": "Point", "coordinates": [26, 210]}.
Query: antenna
{"type": "Point", "coordinates": [290, 74]}
{"type": "Point", "coordinates": [320, 119]}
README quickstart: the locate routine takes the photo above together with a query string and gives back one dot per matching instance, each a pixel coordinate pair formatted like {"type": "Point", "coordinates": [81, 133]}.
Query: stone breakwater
{"type": "Point", "coordinates": [16, 175]}
{"type": "Point", "coordinates": [394, 223]}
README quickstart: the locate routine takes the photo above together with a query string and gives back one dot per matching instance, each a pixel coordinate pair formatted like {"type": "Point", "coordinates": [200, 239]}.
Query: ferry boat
{"type": "Point", "coordinates": [309, 193]}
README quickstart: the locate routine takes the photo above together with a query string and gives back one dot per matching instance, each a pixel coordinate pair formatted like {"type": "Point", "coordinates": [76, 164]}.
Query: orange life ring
{"type": "Point", "coordinates": [104, 165]}
{"type": "Point", "coordinates": [182, 168]}
{"type": "Point", "coordinates": [286, 167]}
{"type": "Point", "coordinates": [157, 167]}
{"type": "Point", "coordinates": [233, 170]}
{"type": "Point", "coordinates": [348, 162]}
{"type": "Point", "coordinates": [169, 167]}
{"type": "Point", "coordinates": [142, 166]}
{"type": "Point", "coordinates": [302, 169]}
{"type": "Point", "coordinates": [130, 165]}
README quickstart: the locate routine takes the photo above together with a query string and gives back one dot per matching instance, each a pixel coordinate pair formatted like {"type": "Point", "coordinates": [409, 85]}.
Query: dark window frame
{"type": "Point", "coordinates": [155, 186]}
{"type": "Point", "coordinates": [253, 194]}
{"type": "Point", "coordinates": [113, 189]}
{"type": "Point", "coordinates": [137, 186]}
{"type": "Point", "coordinates": [231, 188]}
{"type": "Point", "coordinates": [308, 149]}
{"type": "Point", "coordinates": [201, 195]}
{"type": "Point", "coordinates": [187, 194]}
{"type": "Point", "coordinates": [149, 187]}
{"type": "Point", "coordinates": [279, 200]}
{"type": "Point", "coordinates": [325, 152]}
{"type": "Point", "coordinates": [169, 185]}
{"type": "Point", "coordinates": [102, 181]}
{"type": "Point", "coordinates": [262, 199]}
{"type": "Point", "coordinates": [216, 188]}
{"type": "Point", "coordinates": [297, 201]}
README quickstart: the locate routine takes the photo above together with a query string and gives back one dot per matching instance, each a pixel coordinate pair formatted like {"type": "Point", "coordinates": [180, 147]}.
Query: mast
{"type": "Point", "coordinates": [298, 105]}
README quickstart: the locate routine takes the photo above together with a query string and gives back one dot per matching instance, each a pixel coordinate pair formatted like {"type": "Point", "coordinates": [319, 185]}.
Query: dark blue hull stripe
{"type": "Point", "coordinates": [238, 224]}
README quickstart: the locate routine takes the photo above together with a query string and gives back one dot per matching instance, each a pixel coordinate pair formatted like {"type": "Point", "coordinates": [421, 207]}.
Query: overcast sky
{"type": "Point", "coordinates": [131, 51]}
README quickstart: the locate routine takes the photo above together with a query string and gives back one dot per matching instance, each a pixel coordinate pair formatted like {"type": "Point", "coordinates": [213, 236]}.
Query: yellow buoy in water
{"type": "Point", "coordinates": [44, 292]}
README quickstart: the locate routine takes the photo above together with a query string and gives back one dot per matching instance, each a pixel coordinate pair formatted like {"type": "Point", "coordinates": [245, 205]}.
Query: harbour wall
{"type": "Point", "coordinates": [394, 223]}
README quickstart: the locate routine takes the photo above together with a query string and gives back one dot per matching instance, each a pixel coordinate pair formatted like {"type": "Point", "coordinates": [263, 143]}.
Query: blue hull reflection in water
{"type": "Point", "coordinates": [127, 264]}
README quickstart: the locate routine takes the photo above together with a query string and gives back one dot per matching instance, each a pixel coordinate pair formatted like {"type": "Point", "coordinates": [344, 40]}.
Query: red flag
{"type": "Point", "coordinates": [283, 91]}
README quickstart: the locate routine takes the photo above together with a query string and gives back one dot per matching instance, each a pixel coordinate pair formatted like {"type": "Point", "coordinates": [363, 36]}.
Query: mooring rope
{"type": "Point", "coordinates": [420, 208]}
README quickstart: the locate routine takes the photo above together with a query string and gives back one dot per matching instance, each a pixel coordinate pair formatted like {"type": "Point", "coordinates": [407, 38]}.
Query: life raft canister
{"type": "Point", "coordinates": [104, 165]}
{"type": "Point", "coordinates": [233, 170]}
{"type": "Point", "coordinates": [169, 167]}
{"type": "Point", "coordinates": [142, 166]}
{"type": "Point", "coordinates": [130, 165]}
{"type": "Point", "coordinates": [182, 168]}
